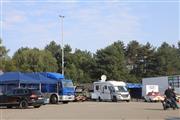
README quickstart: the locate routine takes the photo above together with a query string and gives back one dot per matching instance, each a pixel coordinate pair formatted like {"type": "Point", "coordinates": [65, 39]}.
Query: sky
{"type": "Point", "coordinates": [88, 25]}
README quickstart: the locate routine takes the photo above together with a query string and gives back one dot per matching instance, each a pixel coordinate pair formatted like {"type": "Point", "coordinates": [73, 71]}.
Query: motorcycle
{"type": "Point", "coordinates": [167, 103]}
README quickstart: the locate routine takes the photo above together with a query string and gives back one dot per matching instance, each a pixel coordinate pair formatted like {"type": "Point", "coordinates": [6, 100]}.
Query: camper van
{"type": "Point", "coordinates": [110, 91]}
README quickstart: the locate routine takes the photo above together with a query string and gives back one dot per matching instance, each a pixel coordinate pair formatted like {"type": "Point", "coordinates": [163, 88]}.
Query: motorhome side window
{"type": "Point", "coordinates": [111, 89]}
{"type": "Point", "coordinates": [97, 87]}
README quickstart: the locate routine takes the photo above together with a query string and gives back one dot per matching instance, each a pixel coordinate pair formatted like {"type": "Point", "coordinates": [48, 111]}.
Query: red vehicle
{"type": "Point", "coordinates": [153, 97]}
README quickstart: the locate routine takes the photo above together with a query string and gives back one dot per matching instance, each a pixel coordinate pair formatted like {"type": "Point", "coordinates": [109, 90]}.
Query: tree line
{"type": "Point", "coordinates": [118, 62]}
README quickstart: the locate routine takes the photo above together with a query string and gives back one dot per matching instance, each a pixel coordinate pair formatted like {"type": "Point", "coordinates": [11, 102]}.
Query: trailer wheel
{"type": "Point", "coordinates": [53, 99]}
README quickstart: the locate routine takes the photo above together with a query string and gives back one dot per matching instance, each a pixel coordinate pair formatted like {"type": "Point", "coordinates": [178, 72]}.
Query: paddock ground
{"type": "Point", "coordinates": [93, 111]}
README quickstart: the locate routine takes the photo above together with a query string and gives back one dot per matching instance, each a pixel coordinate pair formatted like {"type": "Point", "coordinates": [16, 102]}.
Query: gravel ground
{"type": "Point", "coordinates": [93, 111]}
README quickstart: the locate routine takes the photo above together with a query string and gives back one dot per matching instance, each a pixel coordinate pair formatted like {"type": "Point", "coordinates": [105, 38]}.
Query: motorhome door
{"type": "Point", "coordinates": [106, 93]}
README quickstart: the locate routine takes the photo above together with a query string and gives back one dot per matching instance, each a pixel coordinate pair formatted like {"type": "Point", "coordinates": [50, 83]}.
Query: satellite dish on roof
{"type": "Point", "coordinates": [103, 78]}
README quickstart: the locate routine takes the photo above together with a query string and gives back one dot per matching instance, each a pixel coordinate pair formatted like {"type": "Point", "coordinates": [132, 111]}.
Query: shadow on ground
{"type": "Point", "coordinates": [173, 118]}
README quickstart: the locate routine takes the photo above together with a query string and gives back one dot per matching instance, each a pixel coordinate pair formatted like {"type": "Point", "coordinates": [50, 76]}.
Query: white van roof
{"type": "Point", "coordinates": [112, 82]}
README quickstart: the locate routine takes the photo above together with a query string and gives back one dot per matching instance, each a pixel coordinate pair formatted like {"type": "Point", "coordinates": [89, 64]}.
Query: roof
{"type": "Point", "coordinates": [26, 78]}
{"type": "Point", "coordinates": [134, 85]}
{"type": "Point", "coordinates": [53, 75]}
{"type": "Point", "coordinates": [41, 78]}
{"type": "Point", "coordinates": [16, 77]}
{"type": "Point", "coordinates": [115, 83]}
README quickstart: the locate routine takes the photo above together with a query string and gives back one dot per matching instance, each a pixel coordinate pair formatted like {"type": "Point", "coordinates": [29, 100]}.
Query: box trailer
{"type": "Point", "coordinates": [160, 84]}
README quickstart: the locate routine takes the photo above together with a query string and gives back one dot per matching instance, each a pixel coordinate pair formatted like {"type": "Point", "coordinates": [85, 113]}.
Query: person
{"type": "Point", "coordinates": [170, 94]}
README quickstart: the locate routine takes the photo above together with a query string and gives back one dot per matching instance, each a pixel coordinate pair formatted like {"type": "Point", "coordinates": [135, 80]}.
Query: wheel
{"type": "Point", "coordinates": [127, 100]}
{"type": "Point", "coordinates": [23, 104]}
{"type": "Point", "coordinates": [99, 99]}
{"type": "Point", "coordinates": [37, 106]}
{"type": "Point", "coordinates": [114, 99]}
{"type": "Point", "coordinates": [65, 102]}
{"type": "Point", "coordinates": [9, 106]}
{"type": "Point", "coordinates": [53, 99]}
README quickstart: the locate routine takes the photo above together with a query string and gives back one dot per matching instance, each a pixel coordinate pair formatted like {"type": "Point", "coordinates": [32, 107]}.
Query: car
{"type": "Point", "coordinates": [153, 97]}
{"type": "Point", "coordinates": [22, 98]}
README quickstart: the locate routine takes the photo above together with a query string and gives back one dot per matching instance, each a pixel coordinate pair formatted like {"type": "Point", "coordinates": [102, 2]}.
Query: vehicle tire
{"type": "Point", "coordinates": [38, 106]}
{"type": "Point", "coordinates": [53, 99]}
{"type": "Point", "coordinates": [127, 100]}
{"type": "Point", "coordinates": [99, 99]}
{"type": "Point", "coordinates": [9, 106]}
{"type": "Point", "coordinates": [114, 99]}
{"type": "Point", "coordinates": [23, 104]}
{"type": "Point", "coordinates": [65, 102]}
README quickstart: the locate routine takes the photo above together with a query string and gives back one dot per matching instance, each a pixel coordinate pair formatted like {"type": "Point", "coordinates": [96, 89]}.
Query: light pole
{"type": "Point", "coordinates": [62, 17]}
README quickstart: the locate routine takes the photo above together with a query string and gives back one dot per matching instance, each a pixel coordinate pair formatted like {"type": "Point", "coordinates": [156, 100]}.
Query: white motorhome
{"type": "Point", "coordinates": [110, 91]}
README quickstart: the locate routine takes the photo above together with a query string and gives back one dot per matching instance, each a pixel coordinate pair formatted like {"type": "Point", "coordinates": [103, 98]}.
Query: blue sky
{"type": "Point", "coordinates": [88, 25]}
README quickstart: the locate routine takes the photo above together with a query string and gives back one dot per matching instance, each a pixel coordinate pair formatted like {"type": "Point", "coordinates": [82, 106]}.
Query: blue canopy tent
{"type": "Point", "coordinates": [134, 85]}
{"type": "Point", "coordinates": [16, 78]}
{"type": "Point", "coordinates": [10, 80]}
{"type": "Point", "coordinates": [46, 84]}
{"type": "Point", "coordinates": [52, 75]}
{"type": "Point", "coordinates": [135, 90]}
{"type": "Point", "coordinates": [40, 78]}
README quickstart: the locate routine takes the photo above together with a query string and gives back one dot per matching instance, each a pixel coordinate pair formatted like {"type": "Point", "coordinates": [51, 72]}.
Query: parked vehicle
{"type": "Point", "coordinates": [154, 97]}
{"type": "Point", "coordinates": [53, 86]}
{"type": "Point", "coordinates": [162, 83]}
{"type": "Point", "coordinates": [80, 94]}
{"type": "Point", "coordinates": [110, 91]}
{"type": "Point", "coordinates": [22, 98]}
{"type": "Point", "coordinates": [63, 91]}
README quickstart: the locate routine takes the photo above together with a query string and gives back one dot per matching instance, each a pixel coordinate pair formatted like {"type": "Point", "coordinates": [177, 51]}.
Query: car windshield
{"type": "Point", "coordinates": [67, 83]}
{"type": "Point", "coordinates": [120, 89]}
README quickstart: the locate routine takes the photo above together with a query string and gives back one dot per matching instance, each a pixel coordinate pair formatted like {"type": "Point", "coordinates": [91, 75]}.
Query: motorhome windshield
{"type": "Point", "coordinates": [67, 84]}
{"type": "Point", "coordinates": [121, 89]}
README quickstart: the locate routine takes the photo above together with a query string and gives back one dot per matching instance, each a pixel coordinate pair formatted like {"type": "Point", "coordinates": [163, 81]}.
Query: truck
{"type": "Point", "coordinates": [53, 86]}
{"type": "Point", "coordinates": [160, 84]}
{"type": "Point", "coordinates": [110, 91]}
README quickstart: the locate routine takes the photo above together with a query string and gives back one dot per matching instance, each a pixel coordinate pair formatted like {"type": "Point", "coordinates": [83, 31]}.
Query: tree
{"type": "Point", "coordinates": [111, 62]}
{"type": "Point", "coordinates": [83, 61]}
{"type": "Point", "coordinates": [168, 60]}
{"type": "Point", "coordinates": [34, 60]}
{"type": "Point", "coordinates": [3, 56]}
{"type": "Point", "coordinates": [53, 48]}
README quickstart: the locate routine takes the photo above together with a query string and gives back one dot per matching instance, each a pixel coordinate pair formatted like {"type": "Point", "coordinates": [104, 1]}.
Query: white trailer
{"type": "Point", "coordinates": [110, 91]}
{"type": "Point", "coordinates": [162, 83]}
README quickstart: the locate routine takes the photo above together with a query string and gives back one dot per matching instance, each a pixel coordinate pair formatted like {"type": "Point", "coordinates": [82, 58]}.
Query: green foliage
{"type": "Point", "coordinates": [168, 60]}
{"type": "Point", "coordinates": [3, 56]}
{"type": "Point", "coordinates": [111, 62]}
{"type": "Point", "coordinates": [129, 64]}
{"type": "Point", "coordinates": [34, 60]}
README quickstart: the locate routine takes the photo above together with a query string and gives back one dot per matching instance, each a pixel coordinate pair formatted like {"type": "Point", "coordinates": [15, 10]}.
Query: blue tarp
{"type": "Point", "coordinates": [52, 75]}
{"type": "Point", "coordinates": [15, 78]}
{"type": "Point", "coordinates": [134, 85]}
{"type": "Point", "coordinates": [41, 78]}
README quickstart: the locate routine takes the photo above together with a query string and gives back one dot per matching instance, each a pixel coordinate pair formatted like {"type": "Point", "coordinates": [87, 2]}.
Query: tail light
{"type": "Point", "coordinates": [33, 96]}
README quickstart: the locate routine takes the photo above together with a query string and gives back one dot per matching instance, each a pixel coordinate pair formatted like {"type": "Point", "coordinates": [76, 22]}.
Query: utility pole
{"type": "Point", "coordinates": [62, 17]}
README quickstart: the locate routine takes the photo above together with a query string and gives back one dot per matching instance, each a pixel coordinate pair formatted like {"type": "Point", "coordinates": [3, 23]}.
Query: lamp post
{"type": "Point", "coordinates": [62, 17]}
